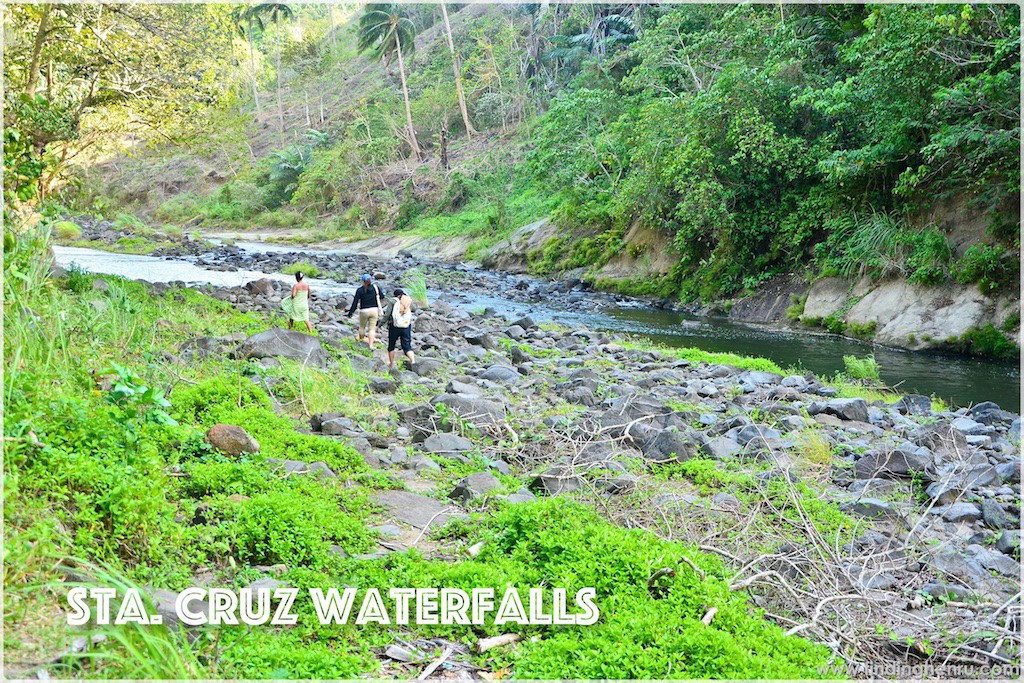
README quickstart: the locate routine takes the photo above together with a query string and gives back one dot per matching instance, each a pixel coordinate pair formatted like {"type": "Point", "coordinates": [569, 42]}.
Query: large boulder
{"type": "Point", "coordinates": [264, 286]}
{"type": "Point", "coordinates": [474, 486]}
{"type": "Point", "coordinates": [278, 343]}
{"type": "Point", "coordinates": [901, 463]}
{"type": "Point", "coordinates": [502, 374]}
{"type": "Point", "coordinates": [477, 411]}
{"type": "Point", "coordinates": [232, 440]}
{"type": "Point", "coordinates": [668, 445]}
{"type": "Point", "coordinates": [853, 409]}
{"type": "Point", "coordinates": [446, 443]}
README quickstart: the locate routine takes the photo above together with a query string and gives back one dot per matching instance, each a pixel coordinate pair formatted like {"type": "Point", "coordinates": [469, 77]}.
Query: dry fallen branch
{"type": "Point", "coordinates": [485, 644]}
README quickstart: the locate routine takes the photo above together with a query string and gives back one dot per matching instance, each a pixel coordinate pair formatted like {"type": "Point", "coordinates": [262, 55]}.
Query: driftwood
{"type": "Point", "coordinates": [485, 644]}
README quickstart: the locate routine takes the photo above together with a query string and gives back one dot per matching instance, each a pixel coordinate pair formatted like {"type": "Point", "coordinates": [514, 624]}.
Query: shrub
{"type": "Point", "coordinates": [305, 267]}
{"type": "Point", "coordinates": [79, 279]}
{"type": "Point", "coordinates": [865, 368]}
{"type": "Point", "coordinates": [67, 230]}
{"type": "Point", "coordinates": [985, 341]}
{"type": "Point", "coordinates": [993, 268]}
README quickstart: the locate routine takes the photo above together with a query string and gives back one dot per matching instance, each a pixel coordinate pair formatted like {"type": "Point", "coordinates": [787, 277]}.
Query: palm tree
{"type": "Point", "coordinates": [276, 10]}
{"type": "Point", "coordinates": [242, 17]}
{"type": "Point", "coordinates": [387, 31]}
{"type": "Point", "coordinates": [457, 68]}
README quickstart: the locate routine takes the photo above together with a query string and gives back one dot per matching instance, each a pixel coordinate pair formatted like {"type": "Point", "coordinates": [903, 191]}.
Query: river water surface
{"type": "Point", "coordinates": [957, 379]}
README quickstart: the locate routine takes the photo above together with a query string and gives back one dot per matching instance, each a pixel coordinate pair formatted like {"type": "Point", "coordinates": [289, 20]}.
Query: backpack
{"type": "Point", "coordinates": [399, 320]}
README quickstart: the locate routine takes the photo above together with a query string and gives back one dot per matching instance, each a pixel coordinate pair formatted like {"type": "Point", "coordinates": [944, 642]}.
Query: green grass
{"type": "Point", "coordinates": [305, 267]}
{"type": "Point", "coordinates": [700, 356]}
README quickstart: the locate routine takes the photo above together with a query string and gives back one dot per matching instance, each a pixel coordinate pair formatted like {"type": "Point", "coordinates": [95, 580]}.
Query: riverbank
{"type": "Point", "coordinates": [875, 526]}
{"type": "Point", "coordinates": [955, 378]}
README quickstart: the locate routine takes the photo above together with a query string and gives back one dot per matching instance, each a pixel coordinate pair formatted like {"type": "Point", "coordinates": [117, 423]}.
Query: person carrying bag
{"type": "Point", "coordinates": [399, 316]}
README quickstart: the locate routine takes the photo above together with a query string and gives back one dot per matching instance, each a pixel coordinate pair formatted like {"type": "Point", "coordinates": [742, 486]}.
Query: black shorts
{"type": "Point", "coordinates": [400, 333]}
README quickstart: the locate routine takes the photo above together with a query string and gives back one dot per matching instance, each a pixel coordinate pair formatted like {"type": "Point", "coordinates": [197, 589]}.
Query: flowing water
{"type": "Point", "coordinates": [959, 380]}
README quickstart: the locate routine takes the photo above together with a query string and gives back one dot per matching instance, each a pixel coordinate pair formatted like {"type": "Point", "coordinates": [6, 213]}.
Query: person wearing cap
{"type": "Point", "coordinates": [367, 299]}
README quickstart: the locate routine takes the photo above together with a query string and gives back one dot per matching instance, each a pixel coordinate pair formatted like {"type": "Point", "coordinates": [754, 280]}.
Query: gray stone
{"type": "Point", "coordinates": [521, 496]}
{"type": "Point", "coordinates": [264, 286]}
{"type": "Point", "coordinates": [1009, 542]}
{"type": "Point", "coordinates": [995, 561]}
{"type": "Point", "coordinates": [479, 338]}
{"type": "Point", "coordinates": [961, 512]}
{"type": "Point", "coordinates": [526, 322]}
{"type": "Point", "coordinates": [722, 448]}
{"type": "Point", "coordinates": [994, 515]}
{"type": "Point", "coordinates": [759, 378]}
{"type": "Point", "coordinates": [446, 442]}
{"type": "Point", "coordinates": [668, 445]}
{"type": "Point", "coordinates": [872, 508]}
{"type": "Point", "coordinates": [914, 404]}
{"type": "Point", "coordinates": [475, 486]}
{"type": "Point", "coordinates": [401, 654]}
{"type": "Point", "coordinates": [945, 591]}
{"type": "Point", "coordinates": [412, 508]}
{"type": "Point", "coordinates": [747, 434]}
{"type": "Point", "coordinates": [283, 344]}
{"type": "Point", "coordinates": [855, 409]}
{"type": "Point", "coordinates": [899, 464]}
{"type": "Point", "coordinates": [378, 385]}
{"type": "Point", "coordinates": [231, 440]}
{"type": "Point", "coordinates": [623, 483]}
{"type": "Point", "coordinates": [515, 332]}
{"type": "Point", "coordinates": [968, 570]}
{"type": "Point", "coordinates": [426, 367]}
{"type": "Point", "coordinates": [477, 411]}
{"type": "Point", "coordinates": [1009, 471]}
{"type": "Point", "coordinates": [555, 480]}
{"type": "Point", "coordinates": [502, 374]}
{"type": "Point", "coordinates": [970, 427]}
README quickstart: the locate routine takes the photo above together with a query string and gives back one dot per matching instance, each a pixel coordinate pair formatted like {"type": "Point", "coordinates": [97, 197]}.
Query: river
{"type": "Point", "coordinates": [960, 380]}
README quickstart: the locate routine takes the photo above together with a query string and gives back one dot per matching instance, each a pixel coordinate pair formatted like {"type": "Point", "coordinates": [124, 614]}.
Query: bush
{"type": "Point", "coordinates": [986, 341]}
{"type": "Point", "coordinates": [993, 268]}
{"type": "Point", "coordinates": [865, 368]}
{"type": "Point", "coordinates": [79, 279]}
{"type": "Point", "coordinates": [305, 267]}
{"type": "Point", "coordinates": [67, 230]}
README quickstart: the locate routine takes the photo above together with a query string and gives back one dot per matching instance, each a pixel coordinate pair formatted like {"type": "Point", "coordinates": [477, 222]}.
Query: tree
{"type": "Point", "coordinates": [276, 10]}
{"type": "Point", "coordinates": [387, 32]}
{"type": "Point", "coordinates": [243, 17]}
{"type": "Point", "coordinates": [457, 69]}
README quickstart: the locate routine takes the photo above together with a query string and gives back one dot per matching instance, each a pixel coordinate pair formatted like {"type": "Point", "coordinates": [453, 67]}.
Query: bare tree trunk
{"type": "Point", "coordinates": [405, 93]}
{"type": "Point", "coordinates": [321, 108]}
{"type": "Point", "coordinates": [444, 145]}
{"type": "Point", "coordinates": [280, 106]}
{"type": "Point", "coordinates": [305, 96]}
{"type": "Point", "coordinates": [457, 68]}
{"type": "Point", "coordinates": [49, 81]}
{"type": "Point", "coordinates": [252, 71]}
{"type": "Point", "coordinates": [32, 77]}
{"type": "Point", "coordinates": [334, 37]}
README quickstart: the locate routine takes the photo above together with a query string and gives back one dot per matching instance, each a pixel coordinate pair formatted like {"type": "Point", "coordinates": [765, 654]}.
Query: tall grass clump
{"type": "Point", "coordinates": [865, 369]}
{"type": "Point", "coordinates": [416, 287]}
{"type": "Point", "coordinates": [305, 267]}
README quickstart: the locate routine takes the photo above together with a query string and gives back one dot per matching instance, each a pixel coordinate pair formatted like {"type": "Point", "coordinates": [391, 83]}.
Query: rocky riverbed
{"type": "Point", "coordinates": [929, 568]}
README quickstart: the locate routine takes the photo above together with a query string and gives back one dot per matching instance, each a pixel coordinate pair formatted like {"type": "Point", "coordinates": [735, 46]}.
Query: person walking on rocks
{"type": "Point", "coordinates": [297, 305]}
{"type": "Point", "coordinates": [398, 314]}
{"type": "Point", "coordinates": [367, 299]}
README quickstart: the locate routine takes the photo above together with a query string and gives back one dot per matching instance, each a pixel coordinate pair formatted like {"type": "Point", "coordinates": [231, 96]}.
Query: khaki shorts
{"type": "Point", "coordinates": [368, 321]}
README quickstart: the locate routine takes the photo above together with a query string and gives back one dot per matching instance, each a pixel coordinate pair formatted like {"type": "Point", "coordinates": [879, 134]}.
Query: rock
{"type": "Point", "coordinates": [899, 464]}
{"type": "Point", "coordinates": [378, 385]}
{"type": "Point", "coordinates": [961, 512]}
{"type": "Point", "coordinates": [412, 508]}
{"type": "Point", "coordinates": [201, 347]}
{"type": "Point", "coordinates": [426, 367]}
{"type": "Point", "coordinates": [623, 483]}
{"type": "Point", "coordinates": [914, 404]}
{"type": "Point", "coordinates": [745, 435]}
{"type": "Point", "coordinates": [283, 344]}
{"type": "Point", "coordinates": [1009, 471]}
{"type": "Point", "coordinates": [521, 496]}
{"type": "Point", "coordinates": [515, 332]}
{"type": "Point", "coordinates": [502, 374]}
{"type": "Point", "coordinates": [944, 591]}
{"type": "Point", "coordinates": [968, 570]}
{"type": "Point", "coordinates": [232, 440]}
{"type": "Point", "coordinates": [970, 427]}
{"type": "Point", "coordinates": [264, 286]}
{"type": "Point", "coordinates": [477, 411]}
{"type": "Point", "coordinates": [1009, 542]}
{"type": "Point", "coordinates": [988, 413]}
{"type": "Point", "coordinates": [401, 654]}
{"type": "Point", "coordinates": [318, 469]}
{"type": "Point", "coordinates": [667, 445]}
{"type": "Point", "coordinates": [946, 443]}
{"type": "Point", "coordinates": [871, 508]}
{"type": "Point", "coordinates": [526, 322]}
{"type": "Point", "coordinates": [758, 378]}
{"type": "Point", "coordinates": [100, 285]}
{"type": "Point", "coordinates": [474, 486]}
{"type": "Point", "coordinates": [855, 409]}
{"type": "Point", "coordinates": [478, 338]}
{"type": "Point", "coordinates": [722, 448]}
{"type": "Point", "coordinates": [994, 515]}
{"type": "Point", "coordinates": [163, 604]}
{"type": "Point", "coordinates": [555, 480]}
{"type": "Point", "coordinates": [445, 443]}
{"type": "Point", "coordinates": [1013, 433]}
{"type": "Point", "coordinates": [994, 560]}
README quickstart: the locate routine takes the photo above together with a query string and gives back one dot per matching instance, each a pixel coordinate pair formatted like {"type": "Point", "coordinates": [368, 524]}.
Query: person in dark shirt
{"type": "Point", "coordinates": [367, 299]}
